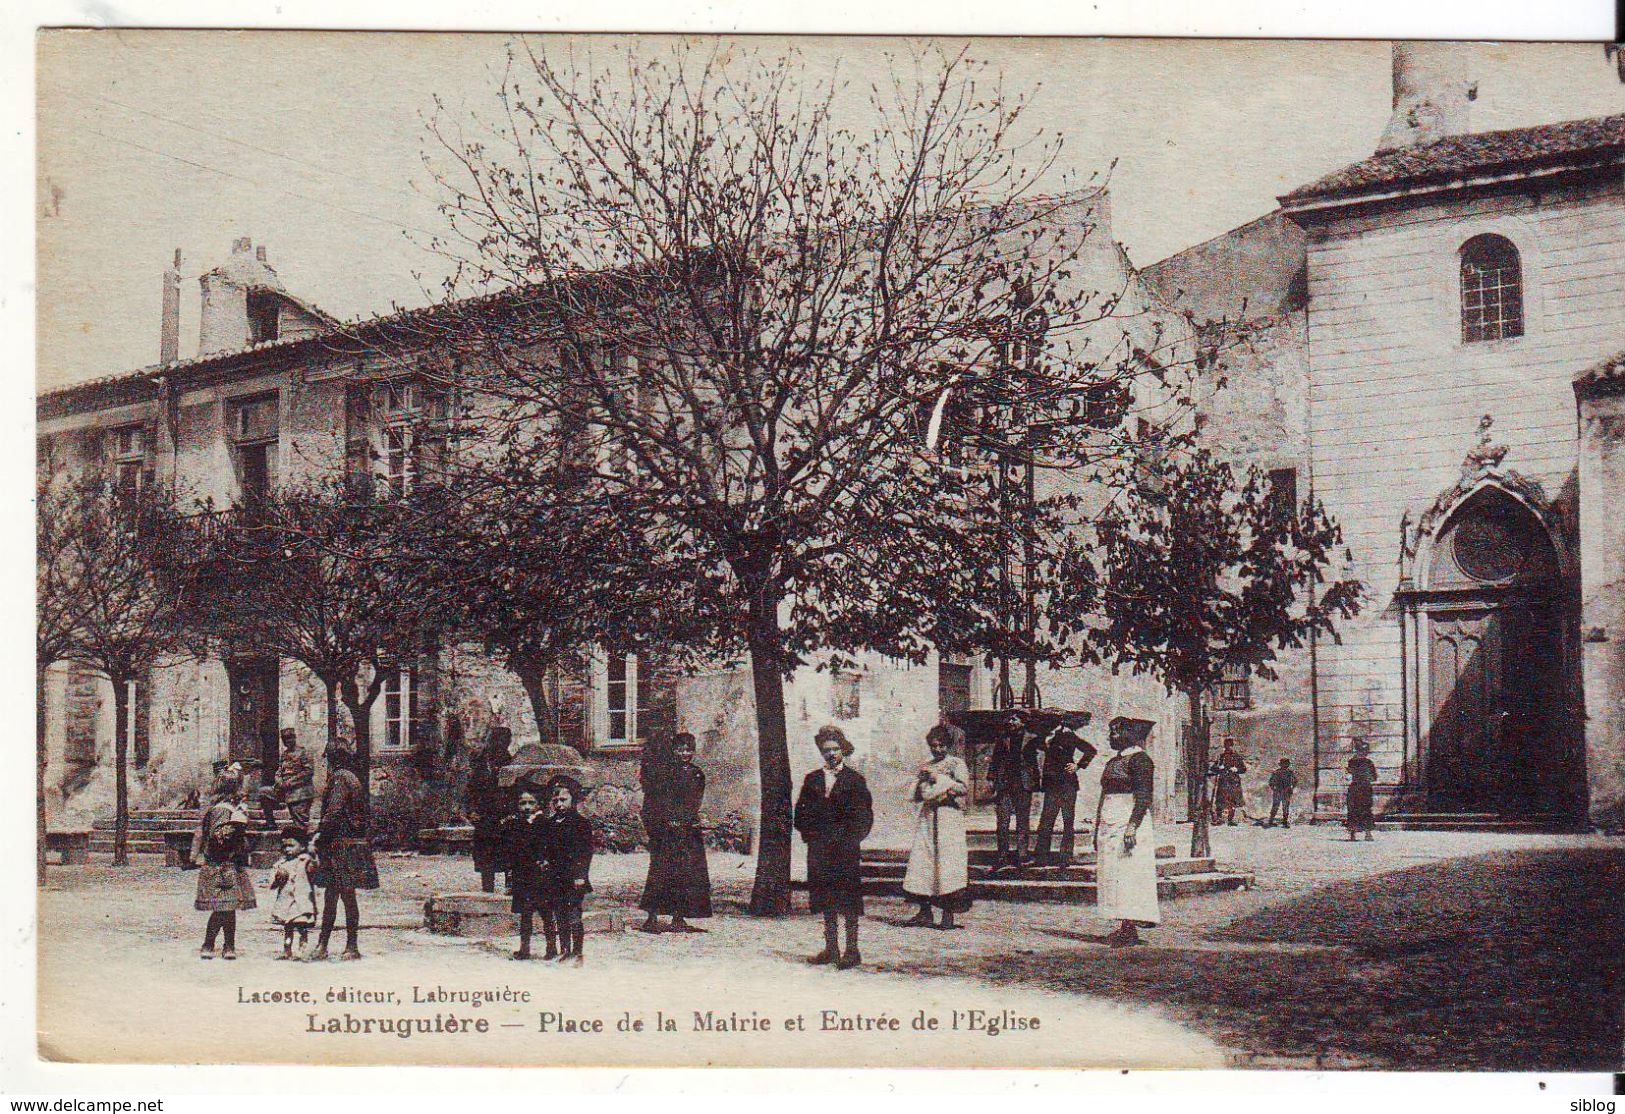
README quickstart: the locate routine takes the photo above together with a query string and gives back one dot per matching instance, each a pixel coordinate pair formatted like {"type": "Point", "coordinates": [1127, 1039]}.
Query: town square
{"type": "Point", "coordinates": [677, 552]}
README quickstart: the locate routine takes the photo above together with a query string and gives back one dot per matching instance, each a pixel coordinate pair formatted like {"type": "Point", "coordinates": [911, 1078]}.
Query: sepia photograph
{"type": "Point", "coordinates": [610, 550]}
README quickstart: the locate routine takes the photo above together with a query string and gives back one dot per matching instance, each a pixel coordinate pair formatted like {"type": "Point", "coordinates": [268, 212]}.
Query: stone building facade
{"type": "Point", "coordinates": [276, 394]}
{"type": "Point", "coordinates": [1454, 287]}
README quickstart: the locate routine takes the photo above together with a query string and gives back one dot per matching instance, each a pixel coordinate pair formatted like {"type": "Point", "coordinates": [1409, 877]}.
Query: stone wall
{"type": "Point", "coordinates": [1602, 623]}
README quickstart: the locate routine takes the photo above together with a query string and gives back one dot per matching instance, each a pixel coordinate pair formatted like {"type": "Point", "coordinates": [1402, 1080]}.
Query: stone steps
{"type": "Point", "coordinates": [1166, 868]}
{"type": "Point", "coordinates": [1458, 822]}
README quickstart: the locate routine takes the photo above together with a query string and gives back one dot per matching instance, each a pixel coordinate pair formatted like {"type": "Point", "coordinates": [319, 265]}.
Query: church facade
{"type": "Point", "coordinates": [1456, 302]}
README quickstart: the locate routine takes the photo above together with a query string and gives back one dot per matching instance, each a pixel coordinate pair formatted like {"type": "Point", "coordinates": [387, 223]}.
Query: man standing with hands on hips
{"type": "Point", "coordinates": [1065, 754]}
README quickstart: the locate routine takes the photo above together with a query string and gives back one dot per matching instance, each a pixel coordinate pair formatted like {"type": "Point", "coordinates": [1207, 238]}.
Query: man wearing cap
{"type": "Point", "coordinates": [295, 785]}
{"type": "Point", "coordinates": [1125, 837]}
{"type": "Point", "coordinates": [1013, 770]}
{"type": "Point", "coordinates": [1064, 754]}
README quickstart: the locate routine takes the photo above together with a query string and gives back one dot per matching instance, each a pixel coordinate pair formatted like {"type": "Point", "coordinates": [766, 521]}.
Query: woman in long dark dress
{"type": "Point", "coordinates": [834, 814]}
{"type": "Point", "coordinates": [522, 847]}
{"type": "Point", "coordinates": [679, 882]}
{"type": "Point", "coordinates": [344, 862]}
{"type": "Point", "coordinates": [566, 852]}
{"type": "Point", "coordinates": [487, 806]}
{"type": "Point", "coordinates": [223, 884]}
{"type": "Point", "coordinates": [1359, 804]}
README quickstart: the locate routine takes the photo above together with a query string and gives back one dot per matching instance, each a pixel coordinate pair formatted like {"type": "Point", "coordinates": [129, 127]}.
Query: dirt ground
{"type": "Point", "coordinates": [1418, 951]}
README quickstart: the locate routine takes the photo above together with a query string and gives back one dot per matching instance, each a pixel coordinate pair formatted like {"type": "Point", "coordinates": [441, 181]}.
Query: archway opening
{"type": "Point", "coordinates": [1497, 742]}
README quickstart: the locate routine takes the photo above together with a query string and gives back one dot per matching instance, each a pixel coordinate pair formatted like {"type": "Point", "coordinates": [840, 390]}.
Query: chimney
{"type": "Point", "coordinates": [224, 321]}
{"type": "Point", "coordinates": [1432, 91]}
{"type": "Point", "coordinates": [169, 327]}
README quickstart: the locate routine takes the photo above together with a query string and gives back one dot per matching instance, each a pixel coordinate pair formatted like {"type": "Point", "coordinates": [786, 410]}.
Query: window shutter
{"type": "Point", "coordinates": [658, 698]}
{"type": "Point", "coordinates": [573, 692]}
{"type": "Point", "coordinates": [357, 429]}
{"type": "Point", "coordinates": [149, 466]}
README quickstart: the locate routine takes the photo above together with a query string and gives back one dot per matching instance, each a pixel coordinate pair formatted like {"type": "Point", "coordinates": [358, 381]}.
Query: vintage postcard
{"type": "Point", "coordinates": [786, 552]}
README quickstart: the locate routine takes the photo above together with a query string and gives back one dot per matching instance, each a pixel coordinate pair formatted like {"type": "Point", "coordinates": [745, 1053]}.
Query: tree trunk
{"type": "Point", "coordinates": [770, 893]}
{"type": "Point", "coordinates": [121, 771]}
{"type": "Point", "coordinates": [1201, 847]}
{"type": "Point", "coordinates": [360, 709]}
{"type": "Point", "coordinates": [41, 758]}
{"type": "Point", "coordinates": [332, 690]}
{"type": "Point", "coordinates": [532, 673]}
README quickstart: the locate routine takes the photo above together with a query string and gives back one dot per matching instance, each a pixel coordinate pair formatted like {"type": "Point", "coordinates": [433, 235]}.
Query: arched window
{"type": "Point", "coordinates": [1491, 290]}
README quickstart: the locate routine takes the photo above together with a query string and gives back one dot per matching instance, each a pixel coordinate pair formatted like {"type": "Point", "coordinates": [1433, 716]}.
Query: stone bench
{"type": "Point", "coordinates": [73, 847]}
{"type": "Point", "coordinates": [178, 850]}
{"type": "Point", "coordinates": [483, 916]}
{"type": "Point", "coordinates": [448, 839]}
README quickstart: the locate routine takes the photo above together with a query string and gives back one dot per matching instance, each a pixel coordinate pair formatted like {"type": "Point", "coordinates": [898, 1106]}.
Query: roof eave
{"type": "Point", "coordinates": [1311, 205]}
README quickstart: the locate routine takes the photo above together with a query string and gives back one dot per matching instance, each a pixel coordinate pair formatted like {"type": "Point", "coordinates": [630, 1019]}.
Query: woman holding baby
{"type": "Point", "coordinates": [938, 873]}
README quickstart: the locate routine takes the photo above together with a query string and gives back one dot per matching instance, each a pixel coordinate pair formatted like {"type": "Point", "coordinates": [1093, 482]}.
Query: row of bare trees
{"type": "Point", "coordinates": [754, 382]}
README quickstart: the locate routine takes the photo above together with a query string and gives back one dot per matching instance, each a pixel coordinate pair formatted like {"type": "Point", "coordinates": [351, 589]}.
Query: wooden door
{"type": "Point", "coordinates": [1466, 761]}
{"type": "Point", "coordinates": [254, 713]}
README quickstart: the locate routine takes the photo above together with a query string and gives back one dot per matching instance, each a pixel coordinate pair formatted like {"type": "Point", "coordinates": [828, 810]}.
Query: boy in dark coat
{"type": "Point", "coordinates": [834, 814]}
{"type": "Point", "coordinates": [566, 854]}
{"type": "Point", "coordinates": [522, 851]}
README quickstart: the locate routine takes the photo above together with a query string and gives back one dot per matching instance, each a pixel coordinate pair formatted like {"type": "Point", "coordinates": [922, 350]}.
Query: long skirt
{"type": "Point", "coordinates": [1358, 808]}
{"type": "Point", "coordinates": [1127, 884]}
{"type": "Point", "coordinates": [1229, 794]}
{"type": "Point", "coordinates": [224, 888]}
{"type": "Point", "coordinates": [346, 864]}
{"type": "Point", "coordinates": [679, 880]}
{"type": "Point", "coordinates": [937, 862]}
{"type": "Point", "coordinates": [489, 852]}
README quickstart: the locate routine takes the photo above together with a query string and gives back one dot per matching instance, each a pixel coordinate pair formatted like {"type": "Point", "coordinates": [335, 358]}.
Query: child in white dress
{"type": "Point", "coordinates": [292, 882]}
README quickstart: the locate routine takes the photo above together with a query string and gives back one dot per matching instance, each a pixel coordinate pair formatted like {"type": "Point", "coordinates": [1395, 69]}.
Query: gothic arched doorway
{"type": "Point", "coordinates": [1497, 740]}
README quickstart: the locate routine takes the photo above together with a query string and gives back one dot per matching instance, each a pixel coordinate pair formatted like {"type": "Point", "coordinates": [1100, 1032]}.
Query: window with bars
{"type": "Point", "coordinates": [400, 708]}
{"type": "Point", "coordinates": [1491, 290]}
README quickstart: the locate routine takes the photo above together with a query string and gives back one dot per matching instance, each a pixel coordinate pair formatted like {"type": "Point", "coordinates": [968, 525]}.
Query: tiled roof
{"type": "Point", "coordinates": [1609, 374]}
{"type": "Point", "coordinates": [1468, 156]}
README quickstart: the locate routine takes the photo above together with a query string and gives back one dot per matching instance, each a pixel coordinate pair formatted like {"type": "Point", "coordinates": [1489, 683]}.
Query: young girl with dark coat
{"type": "Point", "coordinates": [344, 862]}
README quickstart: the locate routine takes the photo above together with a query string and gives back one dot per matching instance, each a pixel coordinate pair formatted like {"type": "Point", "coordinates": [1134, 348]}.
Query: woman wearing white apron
{"type": "Point", "coordinates": [1125, 839]}
{"type": "Point", "coordinates": [937, 863]}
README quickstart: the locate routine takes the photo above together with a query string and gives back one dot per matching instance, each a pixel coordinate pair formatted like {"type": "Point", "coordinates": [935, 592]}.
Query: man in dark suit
{"type": "Point", "coordinates": [1013, 769]}
{"type": "Point", "coordinates": [1065, 754]}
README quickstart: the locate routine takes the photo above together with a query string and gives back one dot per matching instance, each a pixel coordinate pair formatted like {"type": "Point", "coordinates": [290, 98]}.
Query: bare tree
{"type": "Point", "coordinates": [116, 551]}
{"type": "Point", "coordinates": [327, 575]}
{"type": "Point", "coordinates": [749, 317]}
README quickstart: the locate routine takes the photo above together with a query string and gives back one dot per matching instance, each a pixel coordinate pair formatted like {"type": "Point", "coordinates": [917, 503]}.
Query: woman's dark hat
{"type": "Point", "coordinates": [295, 831]}
{"type": "Point", "coordinates": [567, 782]}
{"type": "Point", "coordinates": [1135, 730]}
